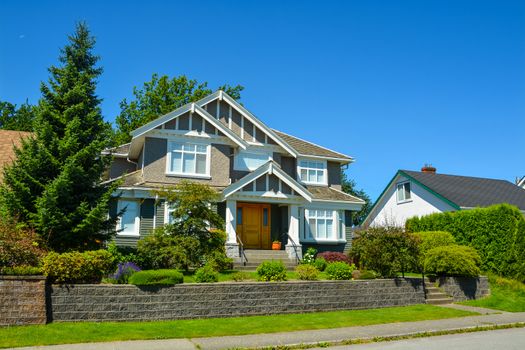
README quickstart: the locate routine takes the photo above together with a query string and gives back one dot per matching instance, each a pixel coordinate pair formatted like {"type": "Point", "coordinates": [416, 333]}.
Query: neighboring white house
{"type": "Point", "coordinates": [521, 182]}
{"type": "Point", "coordinates": [418, 193]}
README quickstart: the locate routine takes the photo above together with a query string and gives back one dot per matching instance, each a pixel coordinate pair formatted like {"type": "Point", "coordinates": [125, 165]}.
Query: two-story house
{"type": "Point", "coordinates": [273, 186]}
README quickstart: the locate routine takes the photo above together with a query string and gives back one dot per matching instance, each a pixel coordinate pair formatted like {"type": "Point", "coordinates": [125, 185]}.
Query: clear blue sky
{"type": "Point", "coordinates": [395, 84]}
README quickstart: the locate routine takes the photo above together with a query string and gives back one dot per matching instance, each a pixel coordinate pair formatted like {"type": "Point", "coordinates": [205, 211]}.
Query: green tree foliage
{"type": "Point", "coordinates": [349, 186]}
{"type": "Point", "coordinates": [55, 185]}
{"type": "Point", "coordinates": [452, 260]}
{"type": "Point", "coordinates": [387, 250]}
{"type": "Point", "coordinates": [20, 119]}
{"type": "Point", "coordinates": [159, 96]}
{"type": "Point", "coordinates": [496, 232]}
{"type": "Point", "coordinates": [195, 237]}
{"type": "Point", "coordinates": [433, 239]}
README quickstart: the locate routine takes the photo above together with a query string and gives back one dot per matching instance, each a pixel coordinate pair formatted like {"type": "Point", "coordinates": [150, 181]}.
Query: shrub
{"type": "Point", "coordinates": [496, 232]}
{"type": "Point", "coordinates": [367, 275]}
{"type": "Point", "coordinates": [125, 254]}
{"type": "Point", "coordinates": [219, 261]}
{"type": "Point", "coordinates": [433, 239]}
{"type": "Point", "coordinates": [271, 271]}
{"type": "Point", "coordinates": [21, 271]}
{"type": "Point", "coordinates": [320, 264]}
{"type": "Point", "coordinates": [309, 256]}
{"type": "Point", "coordinates": [330, 257]}
{"type": "Point", "coordinates": [307, 272]}
{"type": "Point", "coordinates": [19, 246]}
{"type": "Point", "coordinates": [206, 274]}
{"type": "Point", "coordinates": [156, 277]}
{"type": "Point", "coordinates": [452, 260]}
{"type": "Point", "coordinates": [339, 271]}
{"type": "Point", "coordinates": [240, 276]}
{"type": "Point", "coordinates": [387, 250]}
{"type": "Point", "coordinates": [124, 271]}
{"type": "Point", "coordinates": [76, 267]}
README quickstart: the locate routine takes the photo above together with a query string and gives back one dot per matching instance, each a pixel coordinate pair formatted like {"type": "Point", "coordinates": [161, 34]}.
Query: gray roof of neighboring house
{"type": "Point", "coordinates": [470, 192]}
{"type": "Point", "coordinates": [307, 148]}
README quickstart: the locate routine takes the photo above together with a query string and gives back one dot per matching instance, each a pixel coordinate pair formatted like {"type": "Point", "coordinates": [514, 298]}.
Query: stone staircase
{"type": "Point", "coordinates": [256, 257]}
{"type": "Point", "coordinates": [435, 296]}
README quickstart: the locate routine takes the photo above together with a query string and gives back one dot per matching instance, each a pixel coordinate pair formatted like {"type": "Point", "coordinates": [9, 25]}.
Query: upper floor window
{"type": "Point", "coordinates": [403, 192]}
{"type": "Point", "coordinates": [249, 161]}
{"type": "Point", "coordinates": [128, 223]}
{"type": "Point", "coordinates": [190, 159]}
{"type": "Point", "coordinates": [312, 172]}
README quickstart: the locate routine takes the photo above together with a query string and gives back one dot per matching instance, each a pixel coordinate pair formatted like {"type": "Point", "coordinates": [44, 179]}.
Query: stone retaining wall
{"type": "Point", "coordinates": [464, 288]}
{"type": "Point", "coordinates": [132, 303]}
{"type": "Point", "coordinates": [22, 300]}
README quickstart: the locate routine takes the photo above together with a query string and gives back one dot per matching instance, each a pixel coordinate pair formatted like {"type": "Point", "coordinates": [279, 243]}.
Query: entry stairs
{"type": "Point", "coordinates": [435, 296]}
{"type": "Point", "coordinates": [256, 257]}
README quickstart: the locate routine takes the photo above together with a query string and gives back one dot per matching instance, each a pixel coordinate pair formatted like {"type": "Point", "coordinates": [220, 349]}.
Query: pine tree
{"type": "Point", "coordinates": [55, 183]}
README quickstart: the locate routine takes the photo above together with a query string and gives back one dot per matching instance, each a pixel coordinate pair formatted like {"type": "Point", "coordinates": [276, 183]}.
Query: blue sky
{"type": "Point", "coordinates": [395, 84]}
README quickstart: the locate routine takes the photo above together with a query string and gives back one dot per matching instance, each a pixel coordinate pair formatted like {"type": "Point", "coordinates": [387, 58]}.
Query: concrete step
{"type": "Point", "coordinates": [440, 301]}
{"type": "Point", "coordinates": [437, 296]}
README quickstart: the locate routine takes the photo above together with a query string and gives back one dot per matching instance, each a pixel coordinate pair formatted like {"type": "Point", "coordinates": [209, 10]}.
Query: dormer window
{"type": "Point", "coordinates": [188, 159]}
{"type": "Point", "coordinates": [249, 161]}
{"type": "Point", "coordinates": [403, 192]}
{"type": "Point", "coordinates": [312, 172]}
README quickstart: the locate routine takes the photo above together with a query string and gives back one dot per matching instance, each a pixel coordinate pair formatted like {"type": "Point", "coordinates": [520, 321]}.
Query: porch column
{"type": "Point", "coordinates": [232, 247]}
{"type": "Point", "coordinates": [293, 233]}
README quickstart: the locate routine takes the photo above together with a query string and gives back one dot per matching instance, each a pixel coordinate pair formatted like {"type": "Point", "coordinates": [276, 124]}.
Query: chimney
{"type": "Point", "coordinates": [428, 168]}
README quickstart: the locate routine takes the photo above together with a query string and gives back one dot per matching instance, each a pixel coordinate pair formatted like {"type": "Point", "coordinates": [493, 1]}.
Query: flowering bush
{"type": "Point", "coordinates": [309, 256]}
{"type": "Point", "coordinates": [124, 271]}
{"type": "Point", "coordinates": [330, 257]}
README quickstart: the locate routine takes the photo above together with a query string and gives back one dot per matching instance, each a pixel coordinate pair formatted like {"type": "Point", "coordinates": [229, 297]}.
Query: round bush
{"type": "Point", "coordinates": [307, 272]}
{"type": "Point", "coordinates": [330, 257]}
{"type": "Point", "coordinates": [76, 267]}
{"type": "Point", "coordinates": [320, 264]}
{"type": "Point", "coordinates": [206, 274]}
{"type": "Point", "coordinates": [271, 271]}
{"type": "Point", "coordinates": [339, 271]}
{"type": "Point", "coordinates": [156, 277]}
{"type": "Point", "coordinates": [367, 275]}
{"type": "Point", "coordinates": [452, 260]}
{"type": "Point", "coordinates": [240, 276]}
{"type": "Point", "coordinates": [434, 239]}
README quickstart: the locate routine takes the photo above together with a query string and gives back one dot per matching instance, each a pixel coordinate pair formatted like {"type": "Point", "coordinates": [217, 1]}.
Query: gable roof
{"type": "Point", "coordinates": [305, 148]}
{"type": "Point", "coordinates": [469, 192]}
{"type": "Point", "coordinates": [8, 140]}
{"type": "Point", "coordinates": [331, 194]}
{"type": "Point", "coordinates": [270, 167]}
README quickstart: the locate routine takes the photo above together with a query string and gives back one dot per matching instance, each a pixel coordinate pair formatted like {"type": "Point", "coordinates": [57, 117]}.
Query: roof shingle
{"type": "Point", "coordinates": [309, 149]}
{"type": "Point", "coordinates": [8, 140]}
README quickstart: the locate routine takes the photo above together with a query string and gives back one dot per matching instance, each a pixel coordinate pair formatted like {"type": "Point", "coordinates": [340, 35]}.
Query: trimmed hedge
{"type": "Point", "coordinates": [452, 260]}
{"type": "Point", "coordinates": [76, 267]}
{"type": "Point", "coordinates": [156, 277]}
{"type": "Point", "coordinates": [496, 232]}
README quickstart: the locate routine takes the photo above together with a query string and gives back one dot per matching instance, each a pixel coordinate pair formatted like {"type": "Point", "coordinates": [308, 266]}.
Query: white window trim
{"type": "Point", "coordinates": [336, 227]}
{"type": "Point", "coordinates": [397, 189]}
{"type": "Point", "coordinates": [166, 212]}
{"type": "Point", "coordinates": [190, 175]}
{"type": "Point", "coordinates": [120, 207]}
{"type": "Point", "coordinates": [237, 166]}
{"type": "Point", "coordinates": [325, 169]}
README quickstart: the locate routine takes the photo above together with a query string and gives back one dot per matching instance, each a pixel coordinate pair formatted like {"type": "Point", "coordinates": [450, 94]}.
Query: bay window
{"type": "Point", "coordinates": [128, 222]}
{"type": "Point", "coordinates": [190, 159]}
{"type": "Point", "coordinates": [320, 224]}
{"type": "Point", "coordinates": [312, 172]}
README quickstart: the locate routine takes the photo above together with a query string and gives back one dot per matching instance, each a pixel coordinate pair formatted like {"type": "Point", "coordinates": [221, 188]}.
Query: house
{"type": "Point", "coordinates": [520, 182]}
{"type": "Point", "coordinates": [9, 139]}
{"type": "Point", "coordinates": [418, 193]}
{"type": "Point", "coordinates": [273, 186]}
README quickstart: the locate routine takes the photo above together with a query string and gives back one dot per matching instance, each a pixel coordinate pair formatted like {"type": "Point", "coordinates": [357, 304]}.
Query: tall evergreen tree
{"type": "Point", "coordinates": [349, 186]}
{"type": "Point", "coordinates": [159, 96]}
{"type": "Point", "coordinates": [13, 118]}
{"type": "Point", "coordinates": [55, 183]}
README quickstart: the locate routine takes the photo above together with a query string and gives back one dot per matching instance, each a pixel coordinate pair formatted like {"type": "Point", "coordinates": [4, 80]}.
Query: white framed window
{"type": "Point", "coordinates": [321, 224]}
{"type": "Point", "coordinates": [128, 223]}
{"type": "Point", "coordinates": [312, 172]}
{"type": "Point", "coordinates": [168, 211]}
{"type": "Point", "coordinates": [403, 192]}
{"type": "Point", "coordinates": [249, 161]}
{"type": "Point", "coordinates": [188, 159]}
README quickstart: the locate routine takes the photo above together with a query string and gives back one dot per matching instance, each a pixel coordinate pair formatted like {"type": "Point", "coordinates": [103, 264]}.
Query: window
{"type": "Point", "coordinates": [403, 192]}
{"type": "Point", "coordinates": [170, 208]}
{"type": "Point", "coordinates": [188, 159]}
{"type": "Point", "coordinates": [320, 224]}
{"type": "Point", "coordinates": [239, 216]}
{"type": "Point", "coordinates": [249, 161]}
{"type": "Point", "coordinates": [265, 217]}
{"type": "Point", "coordinates": [128, 223]}
{"type": "Point", "coordinates": [312, 172]}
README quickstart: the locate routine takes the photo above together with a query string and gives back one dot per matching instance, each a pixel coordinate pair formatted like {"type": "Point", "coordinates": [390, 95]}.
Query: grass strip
{"type": "Point", "coordinates": [84, 332]}
{"type": "Point", "coordinates": [505, 294]}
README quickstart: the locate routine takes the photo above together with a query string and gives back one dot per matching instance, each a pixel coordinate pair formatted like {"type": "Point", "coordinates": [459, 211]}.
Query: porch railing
{"type": "Point", "coordinates": [294, 245]}
{"type": "Point", "coordinates": [242, 254]}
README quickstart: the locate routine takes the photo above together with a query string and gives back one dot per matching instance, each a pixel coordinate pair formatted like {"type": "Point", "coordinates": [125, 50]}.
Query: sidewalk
{"type": "Point", "coordinates": [305, 337]}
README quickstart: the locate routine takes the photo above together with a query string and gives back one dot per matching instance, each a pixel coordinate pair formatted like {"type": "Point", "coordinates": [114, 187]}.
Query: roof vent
{"type": "Point", "coordinates": [428, 168]}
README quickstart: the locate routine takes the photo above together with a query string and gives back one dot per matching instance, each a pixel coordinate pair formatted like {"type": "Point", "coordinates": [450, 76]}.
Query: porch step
{"type": "Point", "coordinates": [256, 257]}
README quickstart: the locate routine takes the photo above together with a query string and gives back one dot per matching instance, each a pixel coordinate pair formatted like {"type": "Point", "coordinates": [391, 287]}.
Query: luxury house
{"type": "Point", "coordinates": [414, 193]}
{"type": "Point", "coordinates": [273, 186]}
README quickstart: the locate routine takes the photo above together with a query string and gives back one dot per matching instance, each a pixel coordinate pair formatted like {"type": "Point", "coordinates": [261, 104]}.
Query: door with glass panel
{"type": "Point", "coordinates": [253, 225]}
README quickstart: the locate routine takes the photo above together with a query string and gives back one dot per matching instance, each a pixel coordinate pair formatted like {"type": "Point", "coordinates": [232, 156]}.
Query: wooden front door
{"type": "Point", "coordinates": [253, 225]}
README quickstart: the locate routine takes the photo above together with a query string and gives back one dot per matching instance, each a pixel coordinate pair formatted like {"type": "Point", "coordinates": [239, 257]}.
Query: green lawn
{"type": "Point", "coordinates": [64, 333]}
{"type": "Point", "coordinates": [505, 294]}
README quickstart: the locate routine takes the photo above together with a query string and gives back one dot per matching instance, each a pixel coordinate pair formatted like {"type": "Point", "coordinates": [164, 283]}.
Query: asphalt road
{"type": "Point", "coordinates": [504, 339]}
